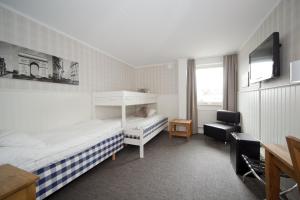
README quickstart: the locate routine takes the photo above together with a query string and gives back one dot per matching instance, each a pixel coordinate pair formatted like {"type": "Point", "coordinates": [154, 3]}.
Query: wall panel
{"type": "Point", "coordinates": [97, 71]}
{"type": "Point", "coordinates": [277, 101]}
{"type": "Point", "coordinates": [279, 113]}
{"type": "Point", "coordinates": [249, 108]}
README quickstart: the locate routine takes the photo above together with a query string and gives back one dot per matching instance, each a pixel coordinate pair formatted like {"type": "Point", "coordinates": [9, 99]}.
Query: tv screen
{"type": "Point", "coordinates": [265, 60]}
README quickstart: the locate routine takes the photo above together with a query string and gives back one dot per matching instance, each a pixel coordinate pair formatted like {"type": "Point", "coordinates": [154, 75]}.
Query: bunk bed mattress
{"type": "Point", "coordinates": [59, 158]}
{"type": "Point", "coordinates": [147, 125]}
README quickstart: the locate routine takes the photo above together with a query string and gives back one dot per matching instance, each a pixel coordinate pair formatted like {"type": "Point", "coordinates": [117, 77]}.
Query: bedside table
{"type": "Point", "coordinates": [181, 123]}
{"type": "Point", "coordinates": [16, 184]}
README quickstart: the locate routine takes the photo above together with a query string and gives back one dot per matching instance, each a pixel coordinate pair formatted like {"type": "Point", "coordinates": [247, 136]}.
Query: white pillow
{"type": "Point", "coordinates": [151, 112]}
{"type": "Point", "coordinates": [18, 139]}
{"type": "Point", "coordinates": [141, 111]}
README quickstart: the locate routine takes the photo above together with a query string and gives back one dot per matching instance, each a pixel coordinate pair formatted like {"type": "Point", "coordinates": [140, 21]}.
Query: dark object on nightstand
{"type": "Point", "coordinates": [227, 122]}
{"type": "Point", "coordinates": [243, 143]}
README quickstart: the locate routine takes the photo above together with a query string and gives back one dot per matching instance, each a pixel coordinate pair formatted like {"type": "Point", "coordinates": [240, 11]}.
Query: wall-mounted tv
{"type": "Point", "coordinates": [265, 60]}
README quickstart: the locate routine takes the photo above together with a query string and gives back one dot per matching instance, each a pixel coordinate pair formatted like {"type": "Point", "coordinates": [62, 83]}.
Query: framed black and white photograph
{"type": "Point", "coordinates": [22, 63]}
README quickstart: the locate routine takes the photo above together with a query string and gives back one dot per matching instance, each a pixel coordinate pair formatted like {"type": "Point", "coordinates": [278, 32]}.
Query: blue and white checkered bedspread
{"type": "Point", "coordinates": [56, 175]}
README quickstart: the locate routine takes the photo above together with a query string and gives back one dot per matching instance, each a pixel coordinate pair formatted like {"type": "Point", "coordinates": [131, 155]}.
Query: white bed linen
{"type": "Point", "coordinates": [139, 123]}
{"type": "Point", "coordinates": [58, 144]}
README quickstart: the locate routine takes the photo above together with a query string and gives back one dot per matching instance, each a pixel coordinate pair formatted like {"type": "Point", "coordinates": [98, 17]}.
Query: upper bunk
{"type": "Point", "coordinates": [123, 98]}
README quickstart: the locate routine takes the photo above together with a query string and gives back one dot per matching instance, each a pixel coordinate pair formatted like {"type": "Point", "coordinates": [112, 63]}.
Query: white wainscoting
{"type": "Point", "coordinates": [39, 110]}
{"type": "Point", "coordinates": [207, 114]}
{"type": "Point", "coordinates": [249, 108]}
{"type": "Point", "coordinates": [271, 114]}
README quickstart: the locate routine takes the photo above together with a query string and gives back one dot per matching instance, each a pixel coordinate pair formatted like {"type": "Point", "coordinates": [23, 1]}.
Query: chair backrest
{"type": "Point", "coordinates": [228, 117]}
{"type": "Point", "coordinates": [294, 149]}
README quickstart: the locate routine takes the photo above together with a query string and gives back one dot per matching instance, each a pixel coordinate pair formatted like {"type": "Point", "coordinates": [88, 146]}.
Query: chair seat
{"type": "Point", "coordinates": [220, 126]}
{"type": "Point", "coordinates": [219, 131]}
{"type": "Point", "coordinates": [257, 165]}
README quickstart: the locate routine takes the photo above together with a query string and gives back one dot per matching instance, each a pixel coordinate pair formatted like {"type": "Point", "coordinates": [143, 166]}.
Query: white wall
{"type": "Point", "coordinates": [207, 114]}
{"type": "Point", "coordinates": [162, 80]}
{"type": "Point", "coordinates": [272, 112]}
{"type": "Point", "coordinates": [182, 90]}
{"type": "Point", "coordinates": [71, 103]}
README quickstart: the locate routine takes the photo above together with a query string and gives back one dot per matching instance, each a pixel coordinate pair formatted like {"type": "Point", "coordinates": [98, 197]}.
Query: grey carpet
{"type": "Point", "coordinates": [172, 169]}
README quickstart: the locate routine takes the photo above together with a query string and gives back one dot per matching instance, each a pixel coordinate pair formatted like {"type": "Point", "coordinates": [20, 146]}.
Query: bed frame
{"type": "Point", "coordinates": [56, 175]}
{"type": "Point", "coordinates": [128, 98]}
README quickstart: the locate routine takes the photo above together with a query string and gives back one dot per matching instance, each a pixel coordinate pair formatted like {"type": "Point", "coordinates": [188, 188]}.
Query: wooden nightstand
{"type": "Point", "coordinates": [183, 123]}
{"type": "Point", "coordinates": [16, 184]}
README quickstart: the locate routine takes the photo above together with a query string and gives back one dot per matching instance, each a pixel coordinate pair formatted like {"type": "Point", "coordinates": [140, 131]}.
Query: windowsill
{"type": "Point", "coordinates": [210, 104]}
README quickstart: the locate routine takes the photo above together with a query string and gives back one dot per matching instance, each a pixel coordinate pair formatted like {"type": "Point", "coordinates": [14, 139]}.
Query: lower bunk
{"type": "Point", "coordinates": [60, 156]}
{"type": "Point", "coordinates": [139, 130]}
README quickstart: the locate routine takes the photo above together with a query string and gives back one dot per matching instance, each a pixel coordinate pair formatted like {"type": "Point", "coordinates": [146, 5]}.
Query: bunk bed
{"type": "Point", "coordinates": [138, 131]}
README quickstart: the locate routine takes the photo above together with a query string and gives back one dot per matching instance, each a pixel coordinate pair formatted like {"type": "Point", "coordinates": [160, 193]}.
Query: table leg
{"type": "Point", "coordinates": [171, 129]}
{"type": "Point", "coordinates": [187, 130]}
{"type": "Point", "coordinates": [272, 177]}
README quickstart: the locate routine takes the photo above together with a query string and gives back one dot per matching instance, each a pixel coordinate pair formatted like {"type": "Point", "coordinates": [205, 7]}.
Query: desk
{"type": "Point", "coordinates": [277, 160]}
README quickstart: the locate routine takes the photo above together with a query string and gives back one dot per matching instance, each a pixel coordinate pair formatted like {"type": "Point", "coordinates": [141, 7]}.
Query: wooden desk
{"type": "Point", "coordinates": [16, 184]}
{"type": "Point", "coordinates": [277, 160]}
{"type": "Point", "coordinates": [180, 122]}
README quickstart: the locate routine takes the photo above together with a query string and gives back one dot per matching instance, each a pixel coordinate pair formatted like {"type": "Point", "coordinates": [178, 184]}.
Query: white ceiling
{"type": "Point", "coordinates": [142, 32]}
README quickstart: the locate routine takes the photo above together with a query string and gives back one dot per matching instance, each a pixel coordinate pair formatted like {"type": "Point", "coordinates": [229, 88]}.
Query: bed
{"type": "Point", "coordinates": [61, 155]}
{"type": "Point", "coordinates": [141, 130]}
{"type": "Point", "coordinates": [138, 131]}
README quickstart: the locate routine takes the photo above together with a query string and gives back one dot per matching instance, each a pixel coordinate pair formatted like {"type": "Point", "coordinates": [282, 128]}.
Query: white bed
{"type": "Point", "coordinates": [134, 128]}
{"type": "Point", "coordinates": [140, 130]}
{"type": "Point", "coordinates": [75, 148]}
{"type": "Point", "coordinates": [30, 151]}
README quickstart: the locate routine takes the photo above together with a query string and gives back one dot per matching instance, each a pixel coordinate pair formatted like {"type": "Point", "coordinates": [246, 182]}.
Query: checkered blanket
{"type": "Point", "coordinates": [57, 175]}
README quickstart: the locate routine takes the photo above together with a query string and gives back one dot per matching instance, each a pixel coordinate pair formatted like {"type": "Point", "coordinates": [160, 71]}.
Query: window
{"type": "Point", "coordinates": [210, 85]}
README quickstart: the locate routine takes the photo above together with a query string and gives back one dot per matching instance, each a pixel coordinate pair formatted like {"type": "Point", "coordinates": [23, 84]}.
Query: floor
{"type": "Point", "coordinates": [172, 169]}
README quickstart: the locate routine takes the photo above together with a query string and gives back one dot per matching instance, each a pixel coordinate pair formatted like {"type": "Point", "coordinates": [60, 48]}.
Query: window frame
{"type": "Point", "coordinates": [209, 66]}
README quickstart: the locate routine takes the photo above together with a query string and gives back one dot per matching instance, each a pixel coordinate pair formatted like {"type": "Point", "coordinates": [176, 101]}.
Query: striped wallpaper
{"type": "Point", "coordinates": [35, 106]}
{"type": "Point", "coordinates": [160, 79]}
{"type": "Point", "coordinates": [96, 70]}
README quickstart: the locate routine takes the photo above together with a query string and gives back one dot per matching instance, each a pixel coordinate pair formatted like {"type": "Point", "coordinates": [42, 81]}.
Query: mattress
{"type": "Point", "coordinates": [61, 155]}
{"type": "Point", "coordinates": [146, 125]}
{"type": "Point", "coordinates": [31, 151]}
{"type": "Point", "coordinates": [56, 175]}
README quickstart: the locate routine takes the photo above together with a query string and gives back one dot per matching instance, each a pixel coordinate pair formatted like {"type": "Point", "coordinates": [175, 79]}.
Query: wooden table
{"type": "Point", "coordinates": [181, 123]}
{"type": "Point", "coordinates": [16, 184]}
{"type": "Point", "coordinates": [277, 160]}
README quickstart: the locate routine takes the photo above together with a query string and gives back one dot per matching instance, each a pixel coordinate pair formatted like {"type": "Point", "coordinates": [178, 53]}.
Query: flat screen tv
{"type": "Point", "coordinates": [265, 60]}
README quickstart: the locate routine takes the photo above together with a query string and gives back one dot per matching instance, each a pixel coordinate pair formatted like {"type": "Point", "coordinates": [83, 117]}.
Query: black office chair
{"type": "Point", "coordinates": [257, 169]}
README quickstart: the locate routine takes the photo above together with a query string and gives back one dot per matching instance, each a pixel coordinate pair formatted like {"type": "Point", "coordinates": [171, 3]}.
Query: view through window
{"type": "Point", "coordinates": [210, 85]}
